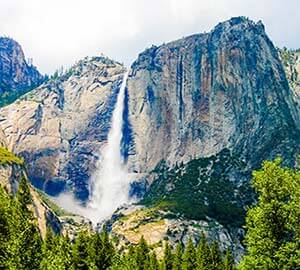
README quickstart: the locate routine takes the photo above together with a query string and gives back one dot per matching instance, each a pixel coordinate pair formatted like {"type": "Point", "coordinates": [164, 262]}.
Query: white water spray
{"type": "Point", "coordinates": [110, 184]}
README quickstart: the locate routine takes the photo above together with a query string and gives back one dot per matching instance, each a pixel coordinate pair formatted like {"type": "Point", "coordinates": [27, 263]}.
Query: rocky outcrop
{"type": "Point", "coordinates": [291, 63]}
{"type": "Point", "coordinates": [11, 171]}
{"type": "Point", "coordinates": [193, 97]}
{"type": "Point", "coordinates": [16, 75]}
{"type": "Point", "coordinates": [158, 226]}
{"type": "Point", "coordinates": [60, 126]}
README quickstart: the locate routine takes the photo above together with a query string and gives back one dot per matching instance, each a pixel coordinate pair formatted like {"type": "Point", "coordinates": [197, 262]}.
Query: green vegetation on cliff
{"type": "Point", "coordinates": [8, 158]}
{"type": "Point", "coordinates": [202, 188]}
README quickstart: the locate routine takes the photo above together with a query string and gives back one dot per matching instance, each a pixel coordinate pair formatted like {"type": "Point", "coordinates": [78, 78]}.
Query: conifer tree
{"type": "Point", "coordinates": [153, 263]}
{"type": "Point", "coordinates": [216, 257]}
{"type": "Point", "coordinates": [228, 261]}
{"type": "Point", "coordinates": [177, 262]}
{"type": "Point", "coordinates": [189, 257]}
{"type": "Point", "coordinates": [56, 252]}
{"type": "Point", "coordinates": [4, 228]}
{"type": "Point", "coordinates": [204, 261]}
{"type": "Point", "coordinates": [23, 196]}
{"type": "Point", "coordinates": [25, 241]}
{"type": "Point", "coordinates": [168, 258]}
{"type": "Point", "coordinates": [142, 254]}
{"type": "Point", "coordinates": [80, 254]}
{"type": "Point", "coordinates": [101, 250]}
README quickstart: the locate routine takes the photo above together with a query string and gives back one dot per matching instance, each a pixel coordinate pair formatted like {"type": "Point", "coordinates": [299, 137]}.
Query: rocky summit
{"type": "Point", "coordinates": [17, 75]}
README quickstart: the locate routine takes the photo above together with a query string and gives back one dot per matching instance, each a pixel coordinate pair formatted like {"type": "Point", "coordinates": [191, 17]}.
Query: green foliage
{"type": "Point", "coordinates": [8, 158]}
{"type": "Point", "coordinates": [142, 255]}
{"type": "Point", "coordinates": [273, 227]}
{"type": "Point", "coordinates": [168, 258]}
{"type": "Point", "coordinates": [228, 261]}
{"type": "Point", "coordinates": [216, 257]}
{"type": "Point", "coordinates": [22, 247]}
{"type": "Point", "coordinates": [189, 257]}
{"type": "Point", "coordinates": [178, 257]}
{"type": "Point", "coordinates": [202, 188]}
{"type": "Point", "coordinates": [23, 242]}
{"type": "Point", "coordinates": [57, 252]}
{"type": "Point", "coordinates": [5, 210]}
{"type": "Point", "coordinates": [9, 95]}
{"type": "Point", "coordinates": [272, 239]}
{"type": "Point", "coordinates": [204, 260]}
{"type": "Point", "coordinates": [80, 254]}
{"type": "Point", "coordinates": [153, 264]}
{"type": "Point", "coordinates": [23, 197]}
{"type": "Point", "coordinates": [101, 250]}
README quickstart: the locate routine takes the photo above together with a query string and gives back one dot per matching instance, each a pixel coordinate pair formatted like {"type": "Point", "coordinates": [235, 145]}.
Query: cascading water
{"type": "Point", "coordinates": [110, 184]}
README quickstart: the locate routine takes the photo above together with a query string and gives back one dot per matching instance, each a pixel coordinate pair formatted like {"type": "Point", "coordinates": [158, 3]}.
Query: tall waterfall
{"type": "Point", "coordinates": [110, 184]}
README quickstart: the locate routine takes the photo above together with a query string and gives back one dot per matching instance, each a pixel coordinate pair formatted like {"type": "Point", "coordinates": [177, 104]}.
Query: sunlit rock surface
{"type": "Point", "coordinates": [198, 95]}
{"type": "Point", "coordinates": [157, 226]}
{"type": "Point", "coordinates": [59, 127]}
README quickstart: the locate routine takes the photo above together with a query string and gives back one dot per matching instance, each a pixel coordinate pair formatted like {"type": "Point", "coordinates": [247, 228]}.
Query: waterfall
{"type": "Point", "coordinates": [110, 183]}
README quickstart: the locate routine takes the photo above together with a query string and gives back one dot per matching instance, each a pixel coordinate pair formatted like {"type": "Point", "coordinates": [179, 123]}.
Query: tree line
{"type": "Point", "coordinates": [272, 236]}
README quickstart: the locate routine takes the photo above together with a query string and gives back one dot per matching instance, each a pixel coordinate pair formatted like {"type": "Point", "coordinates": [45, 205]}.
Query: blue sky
{"type": "Point", "coordinates": [60, 32]}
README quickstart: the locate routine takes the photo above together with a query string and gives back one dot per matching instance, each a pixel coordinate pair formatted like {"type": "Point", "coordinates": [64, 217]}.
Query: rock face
{"type": "Point", "coordinates": [194, 97]}
{"type": "Point", "coordinates": [157, 225]}
{"type": "Point", "coordinates": [291, 62]}
{"type": "Point", "coordinates": [60, 126]}
{"type": "Point", "coordinates": [11, 172]}
{"type": "Point", "coordinates": [16, 75]}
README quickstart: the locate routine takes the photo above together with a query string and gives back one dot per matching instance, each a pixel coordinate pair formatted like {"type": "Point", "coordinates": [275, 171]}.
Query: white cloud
{"type": "Point", "coordinates": [59, 32]}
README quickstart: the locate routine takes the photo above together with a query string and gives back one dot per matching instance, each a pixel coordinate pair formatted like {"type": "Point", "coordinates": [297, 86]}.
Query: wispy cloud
{"type": "Point", "coordinates": [59, 32]}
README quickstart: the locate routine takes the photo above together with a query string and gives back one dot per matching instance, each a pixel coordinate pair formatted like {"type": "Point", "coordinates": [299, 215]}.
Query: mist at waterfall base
{"type": "Point", "coordinates": [109, 187]}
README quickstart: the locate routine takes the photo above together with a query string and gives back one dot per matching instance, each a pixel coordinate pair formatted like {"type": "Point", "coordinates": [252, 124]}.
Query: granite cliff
{"type": "Point", "coordinates": [17, 76]}
{"type": "Point", "coordinates": [59, 127]}
{"type": "Point", "coordinates": [193, 97]}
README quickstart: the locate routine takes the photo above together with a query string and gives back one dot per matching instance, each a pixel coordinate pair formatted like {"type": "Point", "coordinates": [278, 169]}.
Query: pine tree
{"type": "Point", "coordinates": [204, 261]}
{"type": "Point", "coordinates": [216, 257]}
{"type": "Point", "coordinates": [25, 241]}
{"type": "Point", "coordinates": [80, 254]}
{"type": "Point", "coordinates": [153, 263]}
{"type": "Point", "coordinates": [56, 252]}
{"type": "Point", "coordinates": [142, 254]}
{"type": "Point", "coordinates": [23, 196]}
{"type": "Point", "coordinates": [168, 258]}
{"type": "Point", "coordinates": [4, 228]}
{"type": "Point", "coordinates": [228, 261]}
{"type": "Point", "coordinates": [189, 257]}
{"type": "Point", "coordinates": [101, 250]}
{"type": "Point", "coordinates": [177, 263]}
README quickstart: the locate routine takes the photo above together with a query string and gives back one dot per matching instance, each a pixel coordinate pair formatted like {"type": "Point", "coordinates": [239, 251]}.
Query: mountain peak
{"type": "Point", "coordinates": [16, 75]}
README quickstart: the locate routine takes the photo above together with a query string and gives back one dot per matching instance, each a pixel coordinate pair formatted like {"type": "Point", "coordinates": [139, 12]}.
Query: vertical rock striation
{"type": "Point", "coordinates": [193, 97]}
